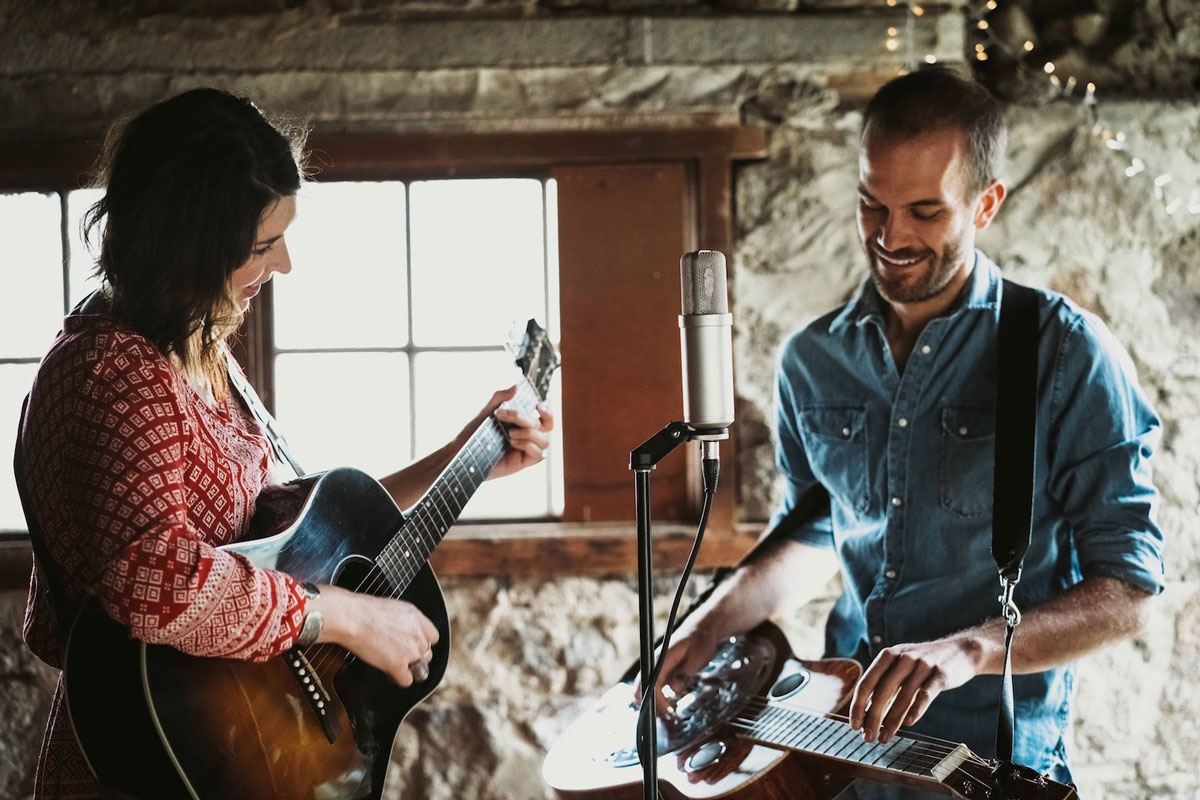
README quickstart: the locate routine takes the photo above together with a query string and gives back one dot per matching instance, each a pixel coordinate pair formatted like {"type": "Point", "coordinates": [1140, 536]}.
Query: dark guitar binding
{"type": "Point", "coordinates": [315, 723]}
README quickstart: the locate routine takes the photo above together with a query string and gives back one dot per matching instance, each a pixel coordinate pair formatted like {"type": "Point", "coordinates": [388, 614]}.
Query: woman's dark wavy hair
{"type": "Point", "coordinates": [188, 181]}
{"type": "Point", "coordinates": [936, 97]}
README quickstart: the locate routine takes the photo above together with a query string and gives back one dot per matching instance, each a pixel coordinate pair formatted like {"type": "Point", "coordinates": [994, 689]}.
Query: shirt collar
{"type": "Point", "coordinates": [982, 291]}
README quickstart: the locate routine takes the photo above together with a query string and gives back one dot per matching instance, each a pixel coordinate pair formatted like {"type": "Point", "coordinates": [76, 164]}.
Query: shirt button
{"type": "Point", "coordinates": [876, 638]}
{"type": "Point", "coordinates": [962, 431]}
{"type": "Point", "coordinates": [896, 501]}
{"type": "Point", "coordinates": [846, 432]}
{"type": "Point", "coordinates": [891, 573]}
{"type": "Point", "coordinates": [902, 422]}
{"type": "Point", "coordinates": [926, 349]}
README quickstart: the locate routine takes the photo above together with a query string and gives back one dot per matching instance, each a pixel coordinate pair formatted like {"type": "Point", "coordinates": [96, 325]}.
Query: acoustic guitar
{"type": "Point", "coordinates": [756, 723]}
{"type": "Point", "coordinates": [316, 723]}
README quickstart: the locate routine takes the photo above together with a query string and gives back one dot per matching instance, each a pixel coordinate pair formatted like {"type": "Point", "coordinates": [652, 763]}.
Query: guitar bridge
{"type": "Point", "coordinates": [319, 699]}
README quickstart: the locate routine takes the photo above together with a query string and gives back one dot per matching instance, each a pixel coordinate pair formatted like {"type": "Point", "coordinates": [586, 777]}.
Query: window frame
{"type": "Point", "coordinates": [516, 549]}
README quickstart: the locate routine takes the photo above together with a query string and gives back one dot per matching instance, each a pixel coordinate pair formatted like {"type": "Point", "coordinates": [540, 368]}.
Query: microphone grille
{"type": "Point", "coordinates": [703, 277]}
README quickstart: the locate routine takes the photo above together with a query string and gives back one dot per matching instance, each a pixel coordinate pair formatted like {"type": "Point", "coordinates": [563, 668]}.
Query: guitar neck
{"type": "Point", "coordinates": [427, 522]}
{"type": "Point", "coordinates": [902, 759]}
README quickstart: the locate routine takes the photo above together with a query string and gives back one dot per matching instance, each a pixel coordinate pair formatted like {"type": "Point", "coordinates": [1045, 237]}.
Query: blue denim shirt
{"type": "Point", "coordinates": [907, 460]}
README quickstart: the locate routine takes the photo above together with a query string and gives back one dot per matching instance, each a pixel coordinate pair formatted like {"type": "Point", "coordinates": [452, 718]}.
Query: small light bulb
{"type": "Point", "coordinates": [982, 25]}
{"type": "Point", "coordinates": [981, 56]}
{"type": "Point", "coordinates": [979, 48]}
{"type": "Point", "coordinates": [930, 58]}
{"type": "Point", "coordinates": [991, 5]}
{"type": "Point", "coordinates": [1049, 67]}
{"type": "Point", "coordinates": [917, 11]}
{"type": "Point", "coordinates": [1028, 46]}
{"type": "Point", "coordinates": [892, 31]}
{"type": "Point", "coordinates": [892, 44]}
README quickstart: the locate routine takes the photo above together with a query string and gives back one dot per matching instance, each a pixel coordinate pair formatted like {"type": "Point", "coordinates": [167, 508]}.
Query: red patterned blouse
{"type": "Point", "coordinates": [134, 481]}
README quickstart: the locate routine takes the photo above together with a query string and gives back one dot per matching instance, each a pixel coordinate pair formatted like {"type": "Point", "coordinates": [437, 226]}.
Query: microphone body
{"type": "Point", "coordinates": [706, 343]}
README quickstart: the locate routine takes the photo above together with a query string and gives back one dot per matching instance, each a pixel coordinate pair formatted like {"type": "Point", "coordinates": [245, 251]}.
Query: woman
{"type": "Point", "coordinates": [139, 461]}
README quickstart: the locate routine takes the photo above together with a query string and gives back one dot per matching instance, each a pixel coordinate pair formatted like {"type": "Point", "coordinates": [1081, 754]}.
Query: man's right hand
{"type": "Point", "coordinates": [388, 634]}
{"type": "Point", "coordinates": [692, 646]}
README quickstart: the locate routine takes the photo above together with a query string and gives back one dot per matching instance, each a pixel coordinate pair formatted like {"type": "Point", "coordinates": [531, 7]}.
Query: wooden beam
{"type": "Point", "coordinates": [48, 164]}
{"type": "Point", "coordinates": [556, 549]}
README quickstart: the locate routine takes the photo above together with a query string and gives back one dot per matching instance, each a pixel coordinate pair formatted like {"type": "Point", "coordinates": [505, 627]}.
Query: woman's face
{"type": "Point", "coordinates": [270, 254]}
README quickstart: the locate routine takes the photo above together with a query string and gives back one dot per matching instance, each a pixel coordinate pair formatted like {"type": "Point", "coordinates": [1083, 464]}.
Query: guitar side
{"type": "Point", "coordinates": [243, 730]}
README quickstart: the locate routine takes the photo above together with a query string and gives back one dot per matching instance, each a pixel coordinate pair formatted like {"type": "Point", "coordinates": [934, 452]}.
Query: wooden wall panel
{"type": "Point", "coordinates": [622, 230]}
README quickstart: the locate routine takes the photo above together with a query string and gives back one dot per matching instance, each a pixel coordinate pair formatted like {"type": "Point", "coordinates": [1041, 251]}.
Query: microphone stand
{"type": "Point", "coordinates": [641, 460]}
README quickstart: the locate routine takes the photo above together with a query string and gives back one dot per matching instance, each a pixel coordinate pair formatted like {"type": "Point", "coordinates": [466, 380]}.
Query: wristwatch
{"type": "Point", "coordinates": [310, 629]}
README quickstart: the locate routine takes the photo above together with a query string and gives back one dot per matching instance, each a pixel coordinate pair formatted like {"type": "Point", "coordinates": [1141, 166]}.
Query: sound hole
{"type": "Point", "coordinates": [788, 685]}
{"type": "Point", "coordinates": [708, 754]}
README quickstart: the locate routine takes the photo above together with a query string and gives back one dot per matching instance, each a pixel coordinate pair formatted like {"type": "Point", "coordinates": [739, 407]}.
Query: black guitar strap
{"type": "Point", "coordinates": [1013, 483]}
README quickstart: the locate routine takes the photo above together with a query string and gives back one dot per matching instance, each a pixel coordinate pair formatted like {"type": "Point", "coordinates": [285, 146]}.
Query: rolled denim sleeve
{"type": "Point", "coordinates": [803, 507]}
{"type": "Point", "coordinates": [1103, 433]}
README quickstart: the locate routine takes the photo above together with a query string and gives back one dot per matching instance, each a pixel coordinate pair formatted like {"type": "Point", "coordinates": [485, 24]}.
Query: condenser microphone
{"type": "Point", "coordinates": [706, 344]}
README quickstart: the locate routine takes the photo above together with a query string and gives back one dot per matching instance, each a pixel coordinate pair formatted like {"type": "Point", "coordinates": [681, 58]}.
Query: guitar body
{"type": "Point", "coordinates": [223, 729]}
{"type": "Point", "coordinates": [594, 759]}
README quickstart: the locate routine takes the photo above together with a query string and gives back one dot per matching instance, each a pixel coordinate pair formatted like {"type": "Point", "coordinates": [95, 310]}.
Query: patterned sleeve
{"type": "Point", "coordinates": [124, 496]}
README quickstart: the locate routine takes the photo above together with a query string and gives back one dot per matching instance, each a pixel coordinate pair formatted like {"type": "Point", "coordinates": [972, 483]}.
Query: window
{"type": "Point", "coordinates": [623, 205]}
{"type": "Point", "coordinates": [46, 270]}
{"type": "Point", "coordinates": [389, 336]}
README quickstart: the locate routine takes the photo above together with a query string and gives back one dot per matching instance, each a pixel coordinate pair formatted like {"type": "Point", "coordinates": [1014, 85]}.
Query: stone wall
{"type": "Point", "coordinates": [529, 655]}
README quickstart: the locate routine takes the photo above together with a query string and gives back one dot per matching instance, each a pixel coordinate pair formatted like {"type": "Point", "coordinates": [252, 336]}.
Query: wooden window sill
{"type": "Point", "coordinates": [523, 550]}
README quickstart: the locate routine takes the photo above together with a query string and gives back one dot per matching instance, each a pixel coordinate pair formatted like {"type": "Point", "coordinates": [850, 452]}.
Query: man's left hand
{"type": "Point", "coordinates": [904, 679]}
{"type": "Point", "coordinates": [528, 434]}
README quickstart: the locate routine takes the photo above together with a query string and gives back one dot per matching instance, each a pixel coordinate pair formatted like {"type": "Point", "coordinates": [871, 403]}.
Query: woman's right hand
{"type": "Point", "coordinates": [388, 634]}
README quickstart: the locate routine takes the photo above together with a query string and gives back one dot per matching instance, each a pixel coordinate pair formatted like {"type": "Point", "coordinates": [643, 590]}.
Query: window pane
{"type": "Point", "coordinates": [477, 259]}
{"type": "Point", "coordinates": [83, 259]}
{"type": "Point", "coordinates": [347, 287]}
{"type": "Point", "coordinates": [450, 389]}
{"type": "Point", "coordinates": [31, 306]}
{"type": "Point", "coordinates": [345, 409]}
{"type": "Point", "coordinates": [15, 381]}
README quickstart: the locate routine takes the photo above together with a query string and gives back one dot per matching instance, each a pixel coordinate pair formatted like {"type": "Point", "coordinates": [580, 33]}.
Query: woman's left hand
{"type": "Point", "coordinates": [528, 434]}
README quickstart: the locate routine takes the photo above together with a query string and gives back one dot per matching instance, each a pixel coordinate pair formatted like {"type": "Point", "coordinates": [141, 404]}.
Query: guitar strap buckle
{"type": "Point", "coordinates": [1008, 606]}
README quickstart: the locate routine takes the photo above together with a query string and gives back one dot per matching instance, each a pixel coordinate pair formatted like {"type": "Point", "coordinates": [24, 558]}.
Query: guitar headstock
{"type": "Point", "coordinates": [537, 358]}
{"type": "Point", "coordinates": [975, 780]}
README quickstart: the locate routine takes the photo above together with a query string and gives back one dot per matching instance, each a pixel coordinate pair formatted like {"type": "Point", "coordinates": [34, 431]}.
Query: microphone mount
{"type": "Point", "coordinates": [642, 460]}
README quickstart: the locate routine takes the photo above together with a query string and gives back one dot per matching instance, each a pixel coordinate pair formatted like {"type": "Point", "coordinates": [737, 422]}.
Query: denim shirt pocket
{"type": "Point", "coordinates": [836, 440]}
{"type": "Point", "coordinates": [966, 460]}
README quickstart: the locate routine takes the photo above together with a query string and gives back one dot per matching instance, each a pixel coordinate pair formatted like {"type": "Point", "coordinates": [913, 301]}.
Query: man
{"type": "Point", "coordinates": [889, 404]}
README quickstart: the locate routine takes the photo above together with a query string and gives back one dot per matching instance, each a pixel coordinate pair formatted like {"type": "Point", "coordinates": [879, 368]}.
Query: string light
{"type": "Point", "coordinates": [1163, 184]}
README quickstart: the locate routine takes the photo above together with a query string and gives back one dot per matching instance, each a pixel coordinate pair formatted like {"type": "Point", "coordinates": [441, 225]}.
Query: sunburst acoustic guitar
{"type": "Point", "coordinates": [316, 723]}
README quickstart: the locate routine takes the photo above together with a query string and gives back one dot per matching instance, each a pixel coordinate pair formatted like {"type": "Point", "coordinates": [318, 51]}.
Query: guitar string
{"type": "Point", "coordinates": [959, 771]}
{"type": "Point", "coordinates": [386, 571]}
{"type": "Point", "coordinates": [389, 577]}
{"type": "Point", "coordinates": [929, 746]}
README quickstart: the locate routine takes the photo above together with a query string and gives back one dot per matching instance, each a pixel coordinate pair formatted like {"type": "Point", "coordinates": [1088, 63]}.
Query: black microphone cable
{"type": "Point", "coordinates": [711, 469]}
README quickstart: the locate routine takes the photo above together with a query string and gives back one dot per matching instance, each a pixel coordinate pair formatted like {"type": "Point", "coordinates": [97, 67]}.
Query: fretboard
{"type": "Point", "coordinates": [428, 521]}
{"type": "Point", "coordinates": [830, 737]}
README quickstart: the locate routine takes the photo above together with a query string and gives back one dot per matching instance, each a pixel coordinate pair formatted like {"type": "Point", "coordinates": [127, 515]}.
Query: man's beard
{"type": "Point", "coordinates": [939, 269]}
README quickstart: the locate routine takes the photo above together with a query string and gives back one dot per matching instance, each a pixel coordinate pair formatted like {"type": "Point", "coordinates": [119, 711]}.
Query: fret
{"type": "Point", "coordinates": [807, 723]}
{"type": "Point", "coordinates": [848, 741]}
{"type": "Point", "coordinates": [828, 730]}
{"type": "Point", "coordinates": [777, 724]}
{"type": "Point", "coordinates": [438, 510]}
{"type": "Point", "coordinates": [813, 733]}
